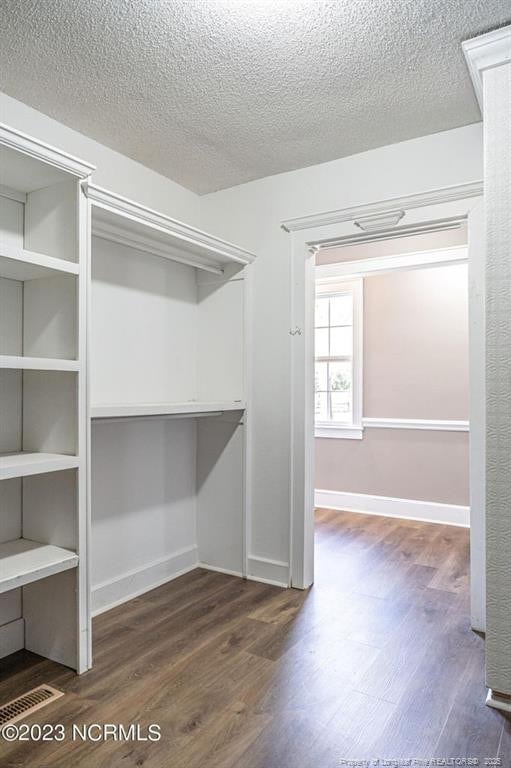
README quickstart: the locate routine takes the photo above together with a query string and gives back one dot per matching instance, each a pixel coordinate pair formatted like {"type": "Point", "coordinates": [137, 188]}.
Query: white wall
{"type": "Point", "coordinates": [251, 214]}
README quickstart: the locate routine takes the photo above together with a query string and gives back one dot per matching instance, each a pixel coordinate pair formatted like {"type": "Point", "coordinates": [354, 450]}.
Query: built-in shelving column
{"type": "Point", "coordinates": [44, 603]}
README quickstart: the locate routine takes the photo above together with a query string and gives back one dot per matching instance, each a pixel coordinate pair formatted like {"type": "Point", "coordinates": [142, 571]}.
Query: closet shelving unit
{"type": "Point", "coordinates": [167, 379]}
{"type": "Point", "coordinates": [43, 515]}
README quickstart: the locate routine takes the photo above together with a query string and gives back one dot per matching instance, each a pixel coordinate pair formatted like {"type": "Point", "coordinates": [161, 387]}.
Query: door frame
{"type": "Point", "coordinates": [432, 210]}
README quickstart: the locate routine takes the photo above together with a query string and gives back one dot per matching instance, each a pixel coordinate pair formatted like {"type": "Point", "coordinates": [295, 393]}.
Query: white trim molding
{"type": "Point", "coordinates": [437, 257]}
{"type": "Point", "coordinates": [382, 207]}
{"type": "Point", "coordinates": [486, 52]}
{"type": "Point", "coordinates": [339, 431]}
{"type": "Point", "coordinates": [268, 571]}
{"type": "Point", "coordinates": [129, 223]}
{"type": "Point", "coordinates": [218, 569]}
{"type": "Point", "coordinates": [21, 142]}
{"type": "Point", "coordinates": [112, 592]}
{"type": "Point", "coordinates": [436, 425]}
{"type": "Point", "coordinates": [386, 506]}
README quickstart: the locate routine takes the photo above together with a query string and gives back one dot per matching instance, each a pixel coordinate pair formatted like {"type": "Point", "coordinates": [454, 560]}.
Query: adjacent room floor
{"type": "Point", "coordinates": [376, 661]}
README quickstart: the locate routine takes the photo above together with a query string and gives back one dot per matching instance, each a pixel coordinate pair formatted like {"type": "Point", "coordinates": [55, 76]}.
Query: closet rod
{"type": "Point", "coordinates": [157, 417]}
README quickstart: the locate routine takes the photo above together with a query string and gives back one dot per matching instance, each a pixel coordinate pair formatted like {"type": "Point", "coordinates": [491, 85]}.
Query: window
{"type": "Point", "coordinates": [338, 359]}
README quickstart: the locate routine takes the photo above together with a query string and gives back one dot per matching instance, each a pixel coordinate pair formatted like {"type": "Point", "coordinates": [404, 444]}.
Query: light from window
{"type": "Point", "coordinates": [334, 357]}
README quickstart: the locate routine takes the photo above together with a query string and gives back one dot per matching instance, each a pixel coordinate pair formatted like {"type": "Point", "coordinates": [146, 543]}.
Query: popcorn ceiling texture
{"type": "Point", "coordinates": [497, 179]}
{"type": "Point", "coordinates": [212, 93]}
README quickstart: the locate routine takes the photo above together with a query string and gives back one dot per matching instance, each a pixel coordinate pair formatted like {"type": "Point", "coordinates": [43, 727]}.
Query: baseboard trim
{"type": "Point", "coordinates": [12, 637]}
{"type": "Point", "coordinates": [217, 569]}
{"type": "Point", "coordinates": [496, 701]}
{"type": "Point", "coordinates": [114, 592]}
{"type": "Point", "coordinates": [386, 506]}
{"type": "Point", "coordinates": [267, 571]}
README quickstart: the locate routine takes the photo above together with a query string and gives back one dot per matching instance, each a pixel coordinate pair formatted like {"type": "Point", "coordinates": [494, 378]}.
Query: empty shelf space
{"type": "Point", "coordinates": [23, 561]}
{"type": "Point", "coordinates": [191, 408]}
{"type": "Point", "coordinates": [37, 363]}
{"type": "Point", "coordinates": [20, 264]}
{"type": "Point", "coordinates": [25, 464]}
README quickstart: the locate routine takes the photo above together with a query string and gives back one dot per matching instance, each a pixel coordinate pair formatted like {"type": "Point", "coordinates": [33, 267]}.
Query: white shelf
{"type": "Point", "coordinates": [20, 264]}
{"type": "Point", "coordinates": [123, 221]}
{"type": "Point", "coordinates": [190, 408]}
{"type": "Point", "coordinates": [25, 464]}
{"type": "Point", "coordinates": [37, 363]}
{"type": "Point", "coordinates": [23, 561]}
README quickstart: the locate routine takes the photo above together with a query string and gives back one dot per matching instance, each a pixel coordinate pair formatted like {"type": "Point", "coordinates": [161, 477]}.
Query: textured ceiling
{"type": "Point", "coordinates": [213, 93]}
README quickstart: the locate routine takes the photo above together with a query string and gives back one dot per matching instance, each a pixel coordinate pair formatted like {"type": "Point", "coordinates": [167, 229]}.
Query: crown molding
{"type": "Point", "coordinates": [124, 221]}
{"type": "Point", "coordinates": [486, 52]}
{"type": "Point", "coordinates": [21, 142]}
{"type": "Point", "coordinates": [385, 207]}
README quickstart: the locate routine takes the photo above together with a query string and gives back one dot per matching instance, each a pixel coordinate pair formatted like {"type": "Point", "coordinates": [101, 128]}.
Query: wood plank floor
{"type": "Point", "coordinates": [377, 660]}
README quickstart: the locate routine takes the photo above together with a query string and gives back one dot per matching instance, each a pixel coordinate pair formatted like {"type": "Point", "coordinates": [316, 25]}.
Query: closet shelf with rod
{"type": "Point", "coordinates": [125, 222]}
{"type": "Point", "coordinates": [164, 409]}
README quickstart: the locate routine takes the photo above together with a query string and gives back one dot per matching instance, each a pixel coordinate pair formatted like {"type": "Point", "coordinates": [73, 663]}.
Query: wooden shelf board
{"type": "Point", "coordinates": [189, 408]}
{"type": "Point", "coordinates": [23, 561]}
{"type": "Point", "coordinates": [20, 264]}
{"type": "Point", "coordinates": [123, 221]}
{"type": "Point", "coordinates": [25, 464]}
{"type": "Point", "coordinates": [37, 363]}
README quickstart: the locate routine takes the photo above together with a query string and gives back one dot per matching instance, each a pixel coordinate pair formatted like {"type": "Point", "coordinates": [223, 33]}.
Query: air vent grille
{"type": "Point", "coordinates": [27, 703]}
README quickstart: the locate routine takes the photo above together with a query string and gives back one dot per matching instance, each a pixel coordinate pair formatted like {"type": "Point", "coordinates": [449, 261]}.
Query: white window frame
{"type": "Point", "coordinates": [334, 284]}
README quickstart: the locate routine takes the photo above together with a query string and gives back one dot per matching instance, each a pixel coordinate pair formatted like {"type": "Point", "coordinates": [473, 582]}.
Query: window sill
{"type": "Point", "coordinates": [338, 431]}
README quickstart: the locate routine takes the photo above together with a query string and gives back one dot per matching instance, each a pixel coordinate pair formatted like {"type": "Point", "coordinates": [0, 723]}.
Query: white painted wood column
{"type": "Point", "coordinates": [489, 60]}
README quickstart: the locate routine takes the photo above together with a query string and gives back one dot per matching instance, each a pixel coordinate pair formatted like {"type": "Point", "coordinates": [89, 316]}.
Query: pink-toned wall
{"type": "Point", "coordinates": [415, 367]}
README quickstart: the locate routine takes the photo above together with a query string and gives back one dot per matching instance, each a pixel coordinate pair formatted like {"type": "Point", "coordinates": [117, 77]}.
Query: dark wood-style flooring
{"type": "Point", "coordinates": [377, 660]}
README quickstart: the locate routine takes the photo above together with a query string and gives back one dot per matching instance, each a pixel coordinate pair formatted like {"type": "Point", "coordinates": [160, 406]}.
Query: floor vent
{"type": "Point", "coordinates": [27, 703]}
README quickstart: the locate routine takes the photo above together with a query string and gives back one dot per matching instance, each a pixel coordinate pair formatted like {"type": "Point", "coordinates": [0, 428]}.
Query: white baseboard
{"type": "Point", "coordinates": [408, 509]}
{"type": "Point", "coordinates": [498, 702]}
{"type": "Point", "coordinates": [122, 588]}
{"type": "Point", "coordinates": [217, 569]}
{"type": "Point", "coordinates": [12, 637]}
{"type": "Point", "coordinates": [268, 571]}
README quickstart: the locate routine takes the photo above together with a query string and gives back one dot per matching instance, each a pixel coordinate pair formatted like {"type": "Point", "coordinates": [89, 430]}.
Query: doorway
{"type": "Point", "coordinates": [434, 211]}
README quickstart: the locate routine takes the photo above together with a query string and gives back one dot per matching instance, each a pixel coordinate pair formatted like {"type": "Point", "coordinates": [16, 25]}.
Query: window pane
{"type": "Point", "coordinates": [341, 406]}
{"type": "Point", "coordinates": [341, 310]}
{"type": "Point", "coordinates": [321, 406]}
{"type": "Point", "coordinates": [321, 377]}
{"type": "Point", "coordinates": [321, 349]}
{"type": "Point", "coordinates": [341, 342]}
{"type": "Point", "coordinates": [340, 377]}
{"type": "Point", "coordinates": [321, 317]}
